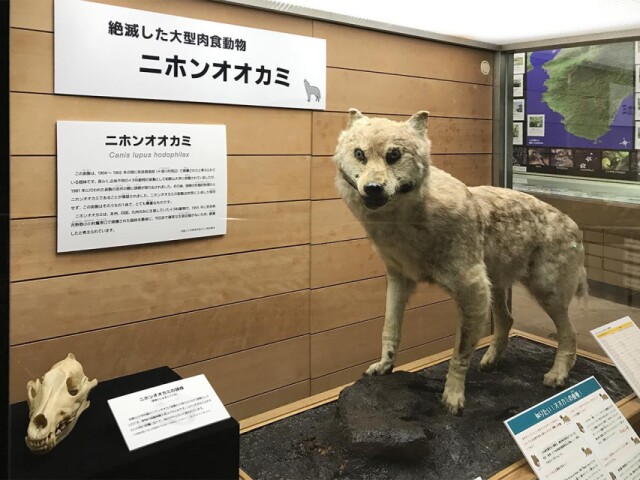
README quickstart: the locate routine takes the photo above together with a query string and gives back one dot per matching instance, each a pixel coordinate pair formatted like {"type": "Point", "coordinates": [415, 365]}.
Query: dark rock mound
{"type": "Point", "coordinates": [388, 415]}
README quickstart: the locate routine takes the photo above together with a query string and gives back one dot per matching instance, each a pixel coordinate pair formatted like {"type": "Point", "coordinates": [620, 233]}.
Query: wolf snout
{"type": "Point", "coordinates": [375, 195]}
{"type": "Point", "coordinates": [373, 189]}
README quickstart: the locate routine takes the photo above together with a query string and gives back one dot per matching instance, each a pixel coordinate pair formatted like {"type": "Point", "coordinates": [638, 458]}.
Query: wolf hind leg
{"type": "Point", "coordinates": [502, 323]}
{"type": "Point", "coordinates": [399, 289]}
{"type": "Point", "coordinates": [472, 294]}
{"type": "Point", "coordinates": [553, 286]}
{"type": "Point", "coordinates": [566, 353]}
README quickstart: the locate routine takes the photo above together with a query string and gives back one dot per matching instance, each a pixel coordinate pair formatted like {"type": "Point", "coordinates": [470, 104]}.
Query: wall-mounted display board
{"type": "Point", "coordinates": [107, 51]}
{"type": "Point", "coordinates": [577, 108]}
{"type": "Point", "coordinates": [132, 183]}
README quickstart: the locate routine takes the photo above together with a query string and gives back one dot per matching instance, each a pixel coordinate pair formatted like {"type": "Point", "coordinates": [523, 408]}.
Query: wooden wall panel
{"type": "Point", "coordinates": [332, 221]}
{"type": "Point", "coordinates": [250, 227]}
{"type": "Point", "coordinates": [32, 69]}
{"type": "Point", "coordinates": [38, 14]}
{"type": "Point", "coordinates": [470, 169]}
{"type": "Point", "coordinates": [352, 49]}
{"type": "Point", "coordinates": [251, 372]}
{"type": "Point", "coordinates": [78, 303]}
{"type": "Point", "coordinates": [268, 401]}
{"type": "Point", "coordinates": [348, 303]}
{"type": "Point", "coordinates": [173, 341]}
{"type": "Point", "coordinates": [323, 178]}
{"type": "Point", "coordinates": [353, 88]}
{"type": "Point", "coordinates": [334, 263]}
{"type": "Point", "coordinates": [295, 268]}
{"type": "Point", "coordinates": [250, 130]}
{"type": "Point", "coordinates": [360, 342]}
{"type": "Point", "coordinates": [448, 135]}
{"type": "Point", "coordinates": [33, 182]}
{"type": "Point", "coordinates": [33, 187]}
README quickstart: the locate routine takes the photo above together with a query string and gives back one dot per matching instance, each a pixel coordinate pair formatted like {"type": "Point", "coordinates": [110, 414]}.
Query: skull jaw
{"type": "Point", "coordinates": [41, 442]}
{"type": "Point", "coordinates": [56, 401]}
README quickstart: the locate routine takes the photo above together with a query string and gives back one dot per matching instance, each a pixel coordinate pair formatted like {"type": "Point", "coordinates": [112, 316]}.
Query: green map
{"type": "Point", "coordinates": [586, 85]}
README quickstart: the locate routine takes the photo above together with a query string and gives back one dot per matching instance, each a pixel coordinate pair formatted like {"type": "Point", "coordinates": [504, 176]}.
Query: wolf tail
{"type": "Point", "coordinates": [582, 291]}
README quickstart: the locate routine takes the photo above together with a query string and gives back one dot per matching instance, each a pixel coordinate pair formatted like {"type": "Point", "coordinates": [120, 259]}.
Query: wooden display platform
{"type": "Point", "coordinates": [630, 405]}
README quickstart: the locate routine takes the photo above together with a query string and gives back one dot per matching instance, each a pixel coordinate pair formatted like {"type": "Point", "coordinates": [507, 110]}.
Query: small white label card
{"type": "Point", "coordinates": [577, 434]}
{"type": "Point", "coordinates": [161, 412]}
{"type": "Point", "coordinates": [621, 341]}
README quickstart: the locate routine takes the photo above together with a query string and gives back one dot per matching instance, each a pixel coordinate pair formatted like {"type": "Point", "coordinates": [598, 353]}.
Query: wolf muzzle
{"type": "Point", "coordinates": [374, 195]}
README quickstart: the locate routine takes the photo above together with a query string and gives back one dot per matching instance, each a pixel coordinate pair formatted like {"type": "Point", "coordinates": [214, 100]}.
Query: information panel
{"type": "Point", "coordinates": [151, 415]}
{"type": "Point", "coordinates": [621, 341]}
{"type": "Point", "coordinates": [578, 434]}
{"type": "Point", "coordinates": [133, 183]}
{"type": "Point", "coordinates": [108, 51]}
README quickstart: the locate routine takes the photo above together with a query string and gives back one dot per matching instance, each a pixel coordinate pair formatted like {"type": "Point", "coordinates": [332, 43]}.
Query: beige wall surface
{"type": "Point", "coordinates": [291, 301]}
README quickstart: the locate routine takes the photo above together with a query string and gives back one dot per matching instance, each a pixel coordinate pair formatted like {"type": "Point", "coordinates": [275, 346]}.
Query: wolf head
{"type": "Point", "coordinates": [305, 82]}
{"type": "Point", "coordinates": [380, 161]}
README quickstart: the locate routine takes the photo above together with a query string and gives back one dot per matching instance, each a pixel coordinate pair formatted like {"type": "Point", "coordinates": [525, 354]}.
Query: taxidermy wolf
{"type": "Point", "coordinates": [474, 242]}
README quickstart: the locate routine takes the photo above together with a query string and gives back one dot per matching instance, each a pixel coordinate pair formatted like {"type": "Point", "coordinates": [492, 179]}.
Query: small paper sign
{"type": "Point", "coordinates": [621, 341]}
{"type": "Point", "coordinates": [578, 433]}
{"type": "Point", "coordinates": [161, 412]}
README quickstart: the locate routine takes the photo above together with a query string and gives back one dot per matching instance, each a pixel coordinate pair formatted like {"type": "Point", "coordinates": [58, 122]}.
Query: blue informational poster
{"type": "Point", "coordinates": [575, 111]}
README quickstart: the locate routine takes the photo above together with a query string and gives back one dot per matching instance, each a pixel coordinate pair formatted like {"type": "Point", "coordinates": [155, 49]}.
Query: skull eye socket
{"type": "Point", "coordinates": [393, 155]}
{"type": "Point", "coordinates": [359, 154]}
{"type": "Point", "coordinates": [71, 388]}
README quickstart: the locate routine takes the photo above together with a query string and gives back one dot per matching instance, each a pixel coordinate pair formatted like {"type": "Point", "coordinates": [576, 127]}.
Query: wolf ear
{"type": "Point", "coordinates": [419, 121]}
{"type": "Point", "coordinates": [354, 114]}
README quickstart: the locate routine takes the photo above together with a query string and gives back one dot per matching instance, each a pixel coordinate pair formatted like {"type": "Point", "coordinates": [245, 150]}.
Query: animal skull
{"type": "Point", "coordinates": [56, 400]}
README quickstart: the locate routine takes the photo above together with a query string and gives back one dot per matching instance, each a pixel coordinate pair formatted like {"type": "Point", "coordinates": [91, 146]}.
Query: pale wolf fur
{"type": "Point", "coordinates": [474, 242]}
{"type": "Point", "coordinates": [311, 90]}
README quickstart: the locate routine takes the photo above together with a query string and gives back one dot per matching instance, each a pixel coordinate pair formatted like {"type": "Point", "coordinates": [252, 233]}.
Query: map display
{"type": "Point", "coordinates": [584, 96]}
{"type": "Point", "coordinates": [576, 109]}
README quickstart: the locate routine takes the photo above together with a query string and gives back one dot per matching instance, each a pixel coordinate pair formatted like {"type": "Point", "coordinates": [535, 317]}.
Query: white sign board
{"type": "Point", "coordinates": [132, 183]}
{"type": "Point", "coordinates": [621, 341]}
{"type": "Point", "coordinates": [151, 415]}
{"type": "Point", "coordinates": [107, 51]}
{"type": "Point", "coordinates": [577, 434]}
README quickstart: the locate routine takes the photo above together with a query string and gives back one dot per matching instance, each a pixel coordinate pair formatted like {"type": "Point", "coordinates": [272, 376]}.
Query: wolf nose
{"type": "Point", "coordinates": [373, 189]}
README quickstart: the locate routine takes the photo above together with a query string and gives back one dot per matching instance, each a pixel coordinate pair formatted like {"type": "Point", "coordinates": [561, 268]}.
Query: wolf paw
{"type": "Point", "coordinates": [554, 378]}
{"type": "Point", "coordinates": [453, 401]}
{"type": "Point", "coordinates": [489, 360]}
{"type": "Point", "coordinates": [379, 368]}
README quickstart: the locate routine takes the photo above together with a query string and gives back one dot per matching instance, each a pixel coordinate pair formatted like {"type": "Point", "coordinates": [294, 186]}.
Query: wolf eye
{"type": "Point", "coordinates": [393, 155]}
{"type": "Point", "coordinates": [359, 154]}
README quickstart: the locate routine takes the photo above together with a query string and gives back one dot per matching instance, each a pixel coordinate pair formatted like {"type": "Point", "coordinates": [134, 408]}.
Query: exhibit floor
{"type": "Point", "coordinates": [281, 446]}
{"type": "Point", "coordinates": [529, 317]}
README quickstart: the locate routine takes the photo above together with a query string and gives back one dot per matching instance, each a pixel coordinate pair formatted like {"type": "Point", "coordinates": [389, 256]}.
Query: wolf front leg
{"type": "Point", "coordinates": [473, 295]}
{"type": "Point", "coordinates": [399, 289]}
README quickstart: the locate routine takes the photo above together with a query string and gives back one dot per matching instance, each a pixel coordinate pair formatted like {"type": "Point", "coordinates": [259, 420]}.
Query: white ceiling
{"type": "Point", "coordinates": [498, 22]}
